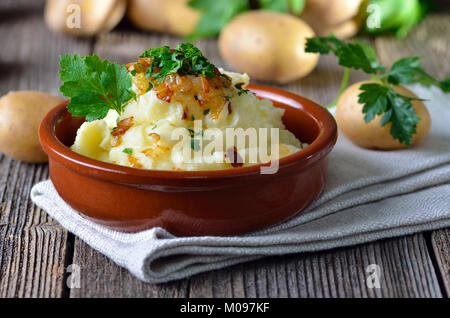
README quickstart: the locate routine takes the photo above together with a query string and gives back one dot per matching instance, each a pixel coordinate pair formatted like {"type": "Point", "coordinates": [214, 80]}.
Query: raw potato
{"type": "Point", "coordinates": [350, 120]}
{"type": "Point", "coordinates": [268, 46]}
{"type": "Point", "coordinates": [339, 17]}
{"type": "Point", "coordinates": [95, 16]}
{"type": "Point", "coordinates": [168, 16]}
{"type": "Point", "coordinates": [342, 31]}
{"type": "Point", "coordinates": [21, 113]}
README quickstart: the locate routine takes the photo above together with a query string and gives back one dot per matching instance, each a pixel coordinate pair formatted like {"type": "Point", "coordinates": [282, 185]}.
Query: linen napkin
{"type": "Point", "coordinates": [369, 195]}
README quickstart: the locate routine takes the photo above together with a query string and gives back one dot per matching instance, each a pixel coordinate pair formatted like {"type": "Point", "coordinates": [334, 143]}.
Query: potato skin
{"type": "Point", "coordinates": [168, 16]}
{"type": "Point", "coordinates": [350, 120]}
{"type": "Point", "coordinates": [21, 113]}
{"type": "Point", "coordinates": [96, 16]}
{"type": "Point", "coordinates": [268, 46]}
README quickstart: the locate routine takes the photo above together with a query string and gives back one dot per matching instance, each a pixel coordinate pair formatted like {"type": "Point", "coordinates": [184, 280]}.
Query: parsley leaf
{"type": "Point", "coordinates": [445, 85]}
{"type": "Point", "coordinates": [404, 118]}
{"type": "Point", "coordinates": [381, 99]}
{"type": "Point", "coordinates": [216, 14]}
{"type": "Point", "coordinates": [374, 99]}
{"type": "Point", "coordinates": [408, 70]}
{"type": "Point", "coordinates": [128, 151]}
{"type": "Point", "coordinates": [357, 55]}
{"type": "Point", "coordinates": [184, 59]}
{"type": "Point", "coordinates": [94, 86]}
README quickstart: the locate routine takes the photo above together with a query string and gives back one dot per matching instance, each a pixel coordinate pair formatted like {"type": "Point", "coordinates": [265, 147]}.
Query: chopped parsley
{"type": "Point", "coordinates": [191, 132]}
{"type": "Point", "coordinates": [206, 111]}
{"type": "Point", "coordinates": [185, 59]}
{"type": "Point", "coordinates": [241, 90]}
{"type": "Point", "coordinates": [192, 117]}
{"type": "Point", "coordinates": [195, 144]}
{"type": "Point", "coordinates": [128, 151]}
{"type": "Point", "coordinates": [379, 98]}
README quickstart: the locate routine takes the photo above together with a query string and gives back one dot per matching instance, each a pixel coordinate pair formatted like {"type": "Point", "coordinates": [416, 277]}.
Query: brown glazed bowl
{"type": "Point", "coordinates": [188, 203]}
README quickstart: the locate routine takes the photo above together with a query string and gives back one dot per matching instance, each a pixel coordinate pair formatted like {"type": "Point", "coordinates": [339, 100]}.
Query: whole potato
{"type": "Point", "coordinates": [95, 16]}
{"type": "Point", "coordinates": [268, 46]}
{"type": "Point", "coordinates": [170, 16]}
{"type": "Point", "coordinates": [342, 30]}
{"type": "Point", "coordinates": [350, 120]}
{"type": "Point", "coordinates": [330, 12]}
{"type": "Point", "coordinates": [21, 113]}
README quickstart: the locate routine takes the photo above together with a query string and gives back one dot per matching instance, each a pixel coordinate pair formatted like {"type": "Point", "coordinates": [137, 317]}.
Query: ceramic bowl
{"type": "Point", "coordinates": [190, 203]}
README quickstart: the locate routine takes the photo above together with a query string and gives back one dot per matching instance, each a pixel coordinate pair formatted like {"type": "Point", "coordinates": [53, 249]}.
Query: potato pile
{"type": "Point", "coordinates": [267, 45]}
{"type": "Point", "coordinates": [96, 17]}
{"type": "Point", "coordinates": [84, 17]}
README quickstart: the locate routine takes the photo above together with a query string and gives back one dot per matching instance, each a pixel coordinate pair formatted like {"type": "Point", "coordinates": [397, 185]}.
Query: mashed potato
{"type": "Point", "coordinates": [143, 135]}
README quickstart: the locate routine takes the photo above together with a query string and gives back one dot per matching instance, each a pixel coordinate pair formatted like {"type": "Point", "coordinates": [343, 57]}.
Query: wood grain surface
{"type": "Point", "coordinates": [35, 250]}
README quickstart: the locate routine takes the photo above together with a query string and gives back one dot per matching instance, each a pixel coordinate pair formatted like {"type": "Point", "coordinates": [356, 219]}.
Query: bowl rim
{"type": "Point", "coordinates": [316, 150]}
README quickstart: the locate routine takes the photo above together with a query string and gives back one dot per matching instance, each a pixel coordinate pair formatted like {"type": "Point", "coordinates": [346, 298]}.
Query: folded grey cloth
{"type": "Point", "coordinates": [369, 195]}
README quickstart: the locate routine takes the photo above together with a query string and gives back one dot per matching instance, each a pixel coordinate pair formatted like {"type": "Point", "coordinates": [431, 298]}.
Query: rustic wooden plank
{"type": "Point", "coordinates": [441, 245]}
{"type": "Point", "coordinates": [335, 273]}
{"type": "Point", "coordinates": [33, 247]}
{"type": "Point", "coordinates": [406, 271]}
{"type": "Point", "coordinates": [100, 277]}
{"type": "Point", "coordinates": [430, 41]}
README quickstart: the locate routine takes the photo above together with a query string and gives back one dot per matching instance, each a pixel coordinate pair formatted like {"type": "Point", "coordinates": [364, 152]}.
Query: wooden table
{"type": "Point", "coordinates": [35, 250]}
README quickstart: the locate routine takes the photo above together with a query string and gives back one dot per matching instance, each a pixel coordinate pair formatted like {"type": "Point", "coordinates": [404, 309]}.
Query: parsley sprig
{"type": "Point", "coordinates": [94, 86]}
{"type": "Point", "coordinates": [380, 98]}
{"type": "Point", "coordinates": [185, 59]}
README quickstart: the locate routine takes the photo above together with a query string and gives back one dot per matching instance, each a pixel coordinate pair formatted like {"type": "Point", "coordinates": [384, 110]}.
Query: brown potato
{"type": "Point", "coordinates": [350, 120]}
{"type": "Point", "coordinates": [95, 16]}
{"type": "Point", "coordinates": [342, 31]}
{"type": "Point", "coordinates": [169, 16]}
{"type": "Point", "coordinates": [268, 46]}
{"type": "Point", "coordinates": [330, 12]}
{"type": "Point", "coordinates": [21, 113]}
{"type": "Point", "coordinates": [333, 16]}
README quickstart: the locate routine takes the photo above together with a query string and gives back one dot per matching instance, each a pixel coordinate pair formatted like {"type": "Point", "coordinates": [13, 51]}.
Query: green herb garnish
{"type": "Point", "coordinates": [185, 59]}
{"type": "Point", "coordinates": [128, 151]}
{"type": "Point", "coordinates": [94, 86]}
{"type": "Point", "coordinates": [195, 144]}
{"type": "Point", "coordinates": [191, 132]}
{"type": "Point", "coordinates": [206, 111]}
{"type": "Point", "coordinates": [379, 98]}
{"type": "Point", "coordinates": [241, 90]}
{"type": "Point", "coordinates": [192, 117]}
